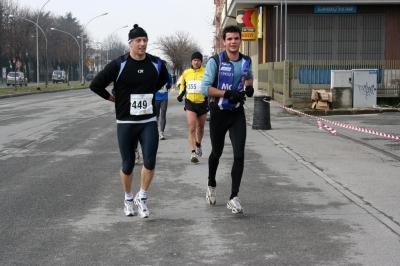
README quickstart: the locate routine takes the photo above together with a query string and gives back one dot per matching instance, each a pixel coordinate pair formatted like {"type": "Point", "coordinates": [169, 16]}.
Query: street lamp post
{"type": "Point", "coordinates": [83, 80]}
{"type": "Point", "coordinates": [13, 16]}
{"type": "Point", "coordinates": [79, 47]}
{"type": "Point", "coordinates": [108, 46]}
{"type": "Point", "coordinates": [101, 54]}
{"type": "Point", "coordinates": [276, 33]}
{"type": "Point", "coordinates": [37, 48]}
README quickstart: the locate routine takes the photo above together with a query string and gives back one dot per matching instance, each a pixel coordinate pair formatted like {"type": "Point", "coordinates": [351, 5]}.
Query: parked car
{"type": "Point", "coordinates": [59, 76]}
{"type": "Point", "coordinates": [90, 77]}
{"type": "Point", "coordinates": [16, 78]}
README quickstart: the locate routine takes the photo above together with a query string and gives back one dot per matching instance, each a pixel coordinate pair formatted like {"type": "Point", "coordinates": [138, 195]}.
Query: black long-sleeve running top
{"type": "Point", "coordinates": [138, 77]}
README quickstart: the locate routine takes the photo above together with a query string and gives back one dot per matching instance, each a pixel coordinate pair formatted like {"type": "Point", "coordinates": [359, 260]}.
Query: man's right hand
{"type": "Point", "coordinates": [111, 98]}
{"type": "Point", "coordinates": [180, 98]}
{"type": "Point", "coordinates": [234, 96]}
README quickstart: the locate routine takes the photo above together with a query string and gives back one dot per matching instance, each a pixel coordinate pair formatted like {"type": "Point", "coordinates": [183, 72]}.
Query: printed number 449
{"type": "Point", "coordinates": [139, 104]}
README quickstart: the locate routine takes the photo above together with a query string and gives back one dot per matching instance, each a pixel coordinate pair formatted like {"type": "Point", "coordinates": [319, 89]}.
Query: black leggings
{"type": "Point", "coordinates": [128, 136]}
{"type": "Point", "coordinates": [161, 109]}
{"type": "Point", "coordinates": [221, 122]}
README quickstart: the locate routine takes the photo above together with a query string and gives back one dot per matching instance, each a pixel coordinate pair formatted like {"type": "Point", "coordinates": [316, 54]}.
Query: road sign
{"type": "Point", "coordinates": [89, 62]}
{"type": "Point", "coordinates": [247, 20]}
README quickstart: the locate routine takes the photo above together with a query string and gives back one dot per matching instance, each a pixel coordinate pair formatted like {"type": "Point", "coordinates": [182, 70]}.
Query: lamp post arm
{"type": "Point", "coordinates": [79, 47]}
{"type": "Point", "coordinates": [108, 43]}
{"type": "Point", "coordinates": [83, 80]}
{"type": "Point", "coordinates": [118, 29]}
{"type": "Point", "coordinates": [94, 18]}
{"type": "Point", "coordinates": [37, 19]}
{"type": "Point", "coordinates": [35, 24]}
{"type": "Point", "coordinates": [69, 35]}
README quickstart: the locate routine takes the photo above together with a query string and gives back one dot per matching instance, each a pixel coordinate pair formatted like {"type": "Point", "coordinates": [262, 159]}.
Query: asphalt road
{"type": "Point", "coordinates": [309, 197]}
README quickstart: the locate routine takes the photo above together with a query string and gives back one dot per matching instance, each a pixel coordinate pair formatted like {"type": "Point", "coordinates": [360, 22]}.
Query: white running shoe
{"type": "Point", "coordinates": [143, 211]}
{"type": "Point", "coordinates": [162, 136]}
{"type": "Point", "coordinates": [211, 195]}
{"type": "Point", "coordinates": [199, 152]}
{"type": "Point", "coordinates": [194, 158]}
{"type": "Point", "coordinates": [128, 209]}
{"type": "Point", "coordinates": [137, 156]}
{"type": "Point", "coordinates": [234, 205]}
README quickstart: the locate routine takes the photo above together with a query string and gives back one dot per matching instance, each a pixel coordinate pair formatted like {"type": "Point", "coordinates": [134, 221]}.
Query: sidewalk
{"type": "Point", "coordinates": [310, 198]}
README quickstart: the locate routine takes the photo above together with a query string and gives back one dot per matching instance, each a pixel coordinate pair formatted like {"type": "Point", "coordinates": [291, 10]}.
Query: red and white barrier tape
{"type": "Point", "coordinates": [333, 131]}
{"type": "Point", "coordinates": [320, 125]}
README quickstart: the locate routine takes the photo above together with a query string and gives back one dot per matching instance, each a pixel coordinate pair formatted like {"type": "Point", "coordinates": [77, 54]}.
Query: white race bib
{"type": "Point", "coordinates": [194, 86]}
{"type": "Point", "coordinates": [141, 104]}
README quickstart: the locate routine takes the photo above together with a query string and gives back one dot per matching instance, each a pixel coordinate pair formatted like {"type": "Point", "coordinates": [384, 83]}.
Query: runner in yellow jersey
{"type": "Point", "coordinates": [196, 104]}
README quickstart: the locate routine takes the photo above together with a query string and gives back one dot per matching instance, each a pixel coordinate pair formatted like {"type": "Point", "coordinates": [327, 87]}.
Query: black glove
{"type": "Point", "coordinates": [168, 87]}
{"type": "Point", "coordinates": [180, 97]}
{"type": "Point", "coordinates": [234, 96]}
{"type": "Point", "coordinates": [249, 91]}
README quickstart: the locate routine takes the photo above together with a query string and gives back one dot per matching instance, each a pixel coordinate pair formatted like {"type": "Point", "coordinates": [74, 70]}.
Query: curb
{"type": "Point", "coordinates": [30, 93]}
{"type": "Point", "coordinates": [349, 111]}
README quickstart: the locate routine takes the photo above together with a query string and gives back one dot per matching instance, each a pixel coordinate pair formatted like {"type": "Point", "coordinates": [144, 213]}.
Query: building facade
{"type": "Point", "coordinates": [217, 43]}
{"type": "Point", "coordinates": [319, 30]}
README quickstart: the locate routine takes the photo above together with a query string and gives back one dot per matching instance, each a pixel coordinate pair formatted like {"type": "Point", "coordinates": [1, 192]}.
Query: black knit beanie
{"type": "Point", "coordinates": [197, 55]}
{"type": "Point", "coordinates": [136, 32]}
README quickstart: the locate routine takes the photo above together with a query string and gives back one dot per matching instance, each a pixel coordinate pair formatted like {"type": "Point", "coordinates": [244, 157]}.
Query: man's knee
{"type": "Point", "coordinates": [200, 129]}
{"type": "Point", "coordinates": [150, 164]}
{"type": "Point", "coordinates": [192, 128]}
{"type": "Point", "coordinates": [215, 155]}
{"type": "Point", "coordinates": [127, 167]}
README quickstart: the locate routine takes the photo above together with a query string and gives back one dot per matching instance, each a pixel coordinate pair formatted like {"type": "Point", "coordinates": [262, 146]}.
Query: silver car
{"type": "Point", "coordinates": [16, 78]}
{"type": "Point", "coordinates": [59, 76]}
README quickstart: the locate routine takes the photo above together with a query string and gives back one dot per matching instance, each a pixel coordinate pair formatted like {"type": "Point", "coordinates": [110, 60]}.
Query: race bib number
{"type": "Point", "coordinates": [141, 104]}
{"type": "Point", "coordinates": [194, 86]}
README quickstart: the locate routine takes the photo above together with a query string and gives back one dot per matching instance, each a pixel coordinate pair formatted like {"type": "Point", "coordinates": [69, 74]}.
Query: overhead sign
{"type": "Point", "coordinates": [247, 20]}
{"type": "Point", "coordinates": [335, 9]}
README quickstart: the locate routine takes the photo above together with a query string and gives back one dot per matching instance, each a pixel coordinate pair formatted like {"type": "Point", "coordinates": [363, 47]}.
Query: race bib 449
{"type": "Point", "coordinates": [141, 104]}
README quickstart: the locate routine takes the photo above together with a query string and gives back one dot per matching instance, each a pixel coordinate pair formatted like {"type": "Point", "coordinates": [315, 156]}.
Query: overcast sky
{"type": "Point", "coordinates": [157, 17]}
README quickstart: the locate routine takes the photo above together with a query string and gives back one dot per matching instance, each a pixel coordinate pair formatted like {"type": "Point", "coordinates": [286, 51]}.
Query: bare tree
{"type": "Point", "coordinates": [177, 49]}
{"type": "Point", "coordinates": [3, 25]}
{"type": "Point", "coordinates": [17, 32]}
{"type": "Point", "coordinates": [18, 37]}
{"type": "Point", "coordinates": [116, 47]}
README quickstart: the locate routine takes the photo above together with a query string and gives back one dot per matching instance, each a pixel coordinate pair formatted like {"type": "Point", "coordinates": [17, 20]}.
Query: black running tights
{"type": "Point", "coordinates": [221, 122]}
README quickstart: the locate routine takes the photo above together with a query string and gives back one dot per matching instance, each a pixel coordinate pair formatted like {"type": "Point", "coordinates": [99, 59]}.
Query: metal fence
{"type": "Point", "coordinates": [297, 78]}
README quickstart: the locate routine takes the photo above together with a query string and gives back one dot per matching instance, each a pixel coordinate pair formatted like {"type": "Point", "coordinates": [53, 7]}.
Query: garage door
{"type": "Point", "coordinates": [336, 37]}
